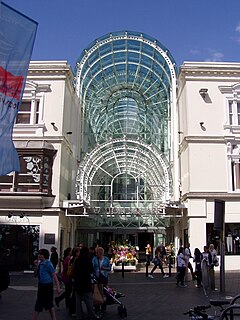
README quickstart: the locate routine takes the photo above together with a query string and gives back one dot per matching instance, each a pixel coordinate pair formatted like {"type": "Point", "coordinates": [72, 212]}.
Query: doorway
{"type": "Point", "coordinates": [143, 238]}
{"type": "Point", "coordinates": [19, 245]}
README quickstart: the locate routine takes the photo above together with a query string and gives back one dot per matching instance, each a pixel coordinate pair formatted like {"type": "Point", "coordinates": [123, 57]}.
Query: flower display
{"type": "Point", "coordinates": [124, 254]}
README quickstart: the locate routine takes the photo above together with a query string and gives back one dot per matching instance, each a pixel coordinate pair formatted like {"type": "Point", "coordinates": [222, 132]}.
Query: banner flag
{"type": "Point", "coordinates": [17, 36]}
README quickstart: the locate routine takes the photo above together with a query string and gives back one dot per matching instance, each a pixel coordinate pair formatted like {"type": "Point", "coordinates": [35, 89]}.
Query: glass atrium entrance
{"type": "Point", "coordinates": [128, 175]}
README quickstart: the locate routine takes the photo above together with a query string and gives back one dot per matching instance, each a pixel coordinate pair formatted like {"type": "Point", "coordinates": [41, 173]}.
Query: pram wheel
{"type": "Point", "coordinates": [122, 311]}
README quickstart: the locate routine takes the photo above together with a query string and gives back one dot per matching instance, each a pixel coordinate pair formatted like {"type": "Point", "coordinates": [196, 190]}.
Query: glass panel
{"type": "Point", "coordinates": [37, 111]}
{"type": "Point", "coordinates": [25, 106]}
{"type": "Point", "coordinates": [133, 57]}
{"type": "Point", "coordinates": [238, 113]}
{"type": "Point", "coordinates": [104, 49]}
{"type": "Point", "coordinates": [119, 45]}
{"type": "Point", "coordinates": [23, 118]}
{"type": "Point", "coordinates": [24, 113]}
{"type": "Point", "coordinates": [232, 238]}
{"type": "Point", "coordinates": [133, 45]}
{"type": "Point", "coordinates": [147, 49]}
{"type": "Point", "coordinates": [120, 57]}
{"type": "Point", "coordinates": [230, 108]}
{"type": "Point", "coordinates": [106, 60]}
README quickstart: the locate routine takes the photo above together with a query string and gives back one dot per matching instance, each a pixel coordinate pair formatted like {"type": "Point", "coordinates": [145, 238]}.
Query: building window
{"type": "Point", "coordinates": [28, 112]}
{"type": "Point", "coordinates": [230, 110]}
{"type": "Point", "coordinates": [238, 113]}
{"type": "Point", "coordinates": [235, 175]}
{"type": "Point", "coordinates": [35, 173]}
{"type": "Point", "coordinates": [24, 113]}
{"type": "Point", "coordinates": [234, 112]}
{"type": "Point", "coordinates": [232, 238]}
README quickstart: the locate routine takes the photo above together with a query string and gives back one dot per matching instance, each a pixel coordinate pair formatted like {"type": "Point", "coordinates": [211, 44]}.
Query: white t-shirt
{"type": "Point", "coordinates": [187, 255]}
{"type": "Point", "coordinates": [180, 260]}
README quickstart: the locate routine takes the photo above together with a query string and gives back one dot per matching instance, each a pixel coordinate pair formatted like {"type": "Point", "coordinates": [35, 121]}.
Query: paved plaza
{"type": "Point", "coordinates": [145, 298]}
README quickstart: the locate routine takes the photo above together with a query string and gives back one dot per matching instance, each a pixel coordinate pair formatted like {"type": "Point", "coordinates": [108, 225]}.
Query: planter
{"type": "Point", "coordinates": [127, 268]}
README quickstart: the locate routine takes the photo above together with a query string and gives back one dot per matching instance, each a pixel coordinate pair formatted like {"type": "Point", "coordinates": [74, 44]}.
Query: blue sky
{"type": "Point", "coordinates": [193, 30]}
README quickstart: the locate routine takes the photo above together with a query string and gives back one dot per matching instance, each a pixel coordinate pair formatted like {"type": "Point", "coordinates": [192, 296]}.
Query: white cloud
{"type": "Point", "coordinates": [194, 52]}
{"type": "Point", "coordinates": [238, 27]}
{"type": "Point", "coordinates": [237, 37]}
{"type": "Point", "coordinates": [215, 56]}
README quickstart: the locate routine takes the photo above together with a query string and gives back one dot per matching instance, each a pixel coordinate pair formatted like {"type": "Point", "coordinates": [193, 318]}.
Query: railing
{"type": "Point", "coordinates": [35, 173]}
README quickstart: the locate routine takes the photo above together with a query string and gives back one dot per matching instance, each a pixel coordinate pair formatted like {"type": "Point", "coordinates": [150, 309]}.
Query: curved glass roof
{"type": "Point", "coordinates": [124, 81]}
{"type": "Point", "coordinates": [125, 157]}
{"type": "Point", "coordinates": [126, 75]}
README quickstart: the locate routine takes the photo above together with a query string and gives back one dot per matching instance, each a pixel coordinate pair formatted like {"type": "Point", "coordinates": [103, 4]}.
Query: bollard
{"type": "Point", "coordinates": [170, 268]}
{"type": "Point", "coordinates": [122, 269]}
{"type": "Point", "coordinates": [147, 264]}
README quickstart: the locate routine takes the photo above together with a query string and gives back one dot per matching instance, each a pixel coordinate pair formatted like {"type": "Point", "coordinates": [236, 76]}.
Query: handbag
{"type": "Point", "coordinates": [98, 296]}
{"type": "Point", "coordinates": [216, 262]}
{"type": "Point", "coordinates": [156, 261]}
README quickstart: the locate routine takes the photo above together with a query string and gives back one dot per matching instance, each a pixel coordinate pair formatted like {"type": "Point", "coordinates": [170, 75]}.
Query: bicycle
{"type": "Point", "coordinates": [228, 313]}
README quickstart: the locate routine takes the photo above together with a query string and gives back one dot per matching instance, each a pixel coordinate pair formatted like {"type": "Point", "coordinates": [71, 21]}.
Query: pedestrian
{"type": "Point", "coordinates": [160, 254]}
{"type": "Point", "coordinates": [54, 257]}
{"type": "Point", "coordinates": [205, 264]}
{"type": "Point", "coordinates": [188, 255]}
{"type": "Point", "coordinates": [101, 266]}
{"type": "Point", "coordinates": [148, 253]}
{"type": "Point", "coordinates": [101, 269]}
{"type": "Point", "coordinates": [72, 302]}
{"type": "Point", "coordinates": [92, 252]}
{"type": "Point", "coordinates": [46, 276]}
{"type": "Point", "coordinates": [65, 279]}
{"type": "Point", "coordinates": [82, 275]}
{"type": "Point", "coordinates": [181, 268]}
{"type": "Point", "coordinates": [197, 258]}
{"type": "Point", "coordinates": [213, 261]}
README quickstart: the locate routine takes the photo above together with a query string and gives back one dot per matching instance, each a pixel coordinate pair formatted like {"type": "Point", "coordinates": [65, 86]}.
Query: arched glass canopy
{"type": "Point", "coordinates": [124, 81]}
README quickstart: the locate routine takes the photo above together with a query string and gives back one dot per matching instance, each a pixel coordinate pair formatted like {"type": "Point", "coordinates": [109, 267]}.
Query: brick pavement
{"type": "Point", "coordinates": [145, 298]}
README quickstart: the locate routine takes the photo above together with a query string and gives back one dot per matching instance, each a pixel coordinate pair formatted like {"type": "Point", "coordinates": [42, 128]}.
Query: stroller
{"type": "Point", "coordinates": [110, 297]}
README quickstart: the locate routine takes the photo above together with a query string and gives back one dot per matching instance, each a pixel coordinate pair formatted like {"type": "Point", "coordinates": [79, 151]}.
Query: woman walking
{"type": "Point", "coordinates": [157, 261]}
{"type": "Point", "coordinates": [65, 279]}
{"type": "Point", "coordinates": [197, 258]}
{"type": "Point", "coordinates": [181, 268]}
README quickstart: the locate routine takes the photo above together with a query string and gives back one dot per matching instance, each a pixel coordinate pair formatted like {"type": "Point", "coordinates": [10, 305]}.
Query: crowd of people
{"type": "Point", "coordinates": [80, 266]}
{"type": "Point", "coordinates": [204, 266]}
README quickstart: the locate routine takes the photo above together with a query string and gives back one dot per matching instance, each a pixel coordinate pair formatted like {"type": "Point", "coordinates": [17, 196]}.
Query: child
{"type": "Point", "coordinates": [46, 275]}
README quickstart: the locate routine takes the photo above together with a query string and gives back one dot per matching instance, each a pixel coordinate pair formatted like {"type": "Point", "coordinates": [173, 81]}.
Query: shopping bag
{"type": "Point", "coordinates": [98, 296]}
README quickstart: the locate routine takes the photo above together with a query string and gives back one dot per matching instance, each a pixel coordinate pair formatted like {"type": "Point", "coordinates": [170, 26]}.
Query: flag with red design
{"type": "Point", "coordinates": [17, 36]}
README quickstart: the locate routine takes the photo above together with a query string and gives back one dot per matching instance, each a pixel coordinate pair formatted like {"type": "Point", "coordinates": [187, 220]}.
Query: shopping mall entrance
{"type": "Point", "coordinates": [126, 180]}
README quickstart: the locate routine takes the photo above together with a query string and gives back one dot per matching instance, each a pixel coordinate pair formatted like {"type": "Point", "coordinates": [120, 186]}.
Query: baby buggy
{"type": "Point", "coordinates": [111, 297]}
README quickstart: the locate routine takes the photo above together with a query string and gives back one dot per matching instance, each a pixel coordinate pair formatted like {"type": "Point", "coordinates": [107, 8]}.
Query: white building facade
{"type": "Point", "coordinates": [46, 136]}
{"type": "Point", "coordinates": [124, 148]}
{"type": "Point", "coordinates": [209, 109]}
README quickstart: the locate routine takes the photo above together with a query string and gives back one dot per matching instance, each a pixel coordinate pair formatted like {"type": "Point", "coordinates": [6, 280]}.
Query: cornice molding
{"type": "Point", "coordinates": [211, 195]}
{"type": "Point", "coordinates": [50, 69]}
{"type": "Point", "coordinates": [210, 70]}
